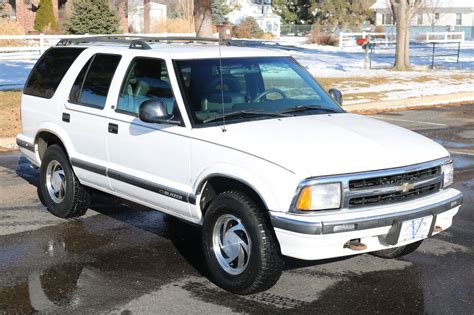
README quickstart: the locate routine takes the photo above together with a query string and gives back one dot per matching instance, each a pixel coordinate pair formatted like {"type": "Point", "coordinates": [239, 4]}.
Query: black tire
{"type": "Point", "coordinates": [264, 263]}
{"type": "Point", "coordinates": [397, 251]}
{"type": "Point", "coordinates": [75, 197]}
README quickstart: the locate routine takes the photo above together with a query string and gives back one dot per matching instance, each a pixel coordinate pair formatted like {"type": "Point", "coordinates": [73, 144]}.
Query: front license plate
{"type": "Point", "coordinates": [415, 229]}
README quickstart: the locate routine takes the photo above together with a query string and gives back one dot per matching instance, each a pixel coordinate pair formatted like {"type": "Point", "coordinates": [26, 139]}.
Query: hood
{"type": "Point", "coordinates": [318, 145]}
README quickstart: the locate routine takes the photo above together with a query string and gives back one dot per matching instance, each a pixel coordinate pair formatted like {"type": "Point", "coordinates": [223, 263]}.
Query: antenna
{"type": "Point", "coordinates": [222, 84]}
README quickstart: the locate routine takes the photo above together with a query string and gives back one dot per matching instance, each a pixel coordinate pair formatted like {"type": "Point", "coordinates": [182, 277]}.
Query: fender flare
{"type": "Point", "coordinates": [239, 174]}
{"type": "Point", "coordinates": [58, 132]}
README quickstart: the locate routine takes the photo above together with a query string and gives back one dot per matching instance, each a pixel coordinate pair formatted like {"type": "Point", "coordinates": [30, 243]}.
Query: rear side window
{"type": "Point", "coordinates": [93, 82]}
{"type": "Point", "coordinates": [50, 70]}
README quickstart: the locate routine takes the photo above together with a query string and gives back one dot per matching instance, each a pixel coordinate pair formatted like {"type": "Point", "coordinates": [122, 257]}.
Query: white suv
{"type": "Point", "coordinates": [242, 141]}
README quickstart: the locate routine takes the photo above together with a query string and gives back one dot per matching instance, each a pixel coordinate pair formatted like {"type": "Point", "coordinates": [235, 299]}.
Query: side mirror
{"type": "Point", "coordinates": [336, 95]}
{"type": "Point", "coordinates": [155, 111]}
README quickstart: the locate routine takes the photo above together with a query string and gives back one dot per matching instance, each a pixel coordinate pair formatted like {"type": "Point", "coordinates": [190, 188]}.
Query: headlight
{"type": "Point", "coordinates": [319, 197]}
{"type": "Point", "coordinates": [448, 173]}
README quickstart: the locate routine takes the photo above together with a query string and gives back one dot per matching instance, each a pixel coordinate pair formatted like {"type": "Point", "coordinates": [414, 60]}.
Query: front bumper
{"type": "Point", "coordinates": [324, 236]}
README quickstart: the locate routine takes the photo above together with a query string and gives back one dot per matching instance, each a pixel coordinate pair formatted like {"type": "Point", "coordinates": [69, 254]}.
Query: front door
{"type": "Point", "coordinates": [149, 163]}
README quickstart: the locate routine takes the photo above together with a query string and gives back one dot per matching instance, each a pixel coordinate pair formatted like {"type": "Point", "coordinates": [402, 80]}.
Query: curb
{"type": "Point", "coordinates": [8, 144]}
{"type": "Point", "coordinates": [413, 103]}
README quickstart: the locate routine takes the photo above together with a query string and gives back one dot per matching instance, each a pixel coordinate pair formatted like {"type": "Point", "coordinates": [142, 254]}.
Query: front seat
{"type": "Point", "coordinates": [231, 94]}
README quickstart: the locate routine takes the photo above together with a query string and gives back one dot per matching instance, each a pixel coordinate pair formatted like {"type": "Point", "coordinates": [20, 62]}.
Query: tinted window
{"type": "Point", "coordinates": [93, 82]}
{"type": "Point", "coordinates": [50, 70]}
{"type": "Point", "coordinates": [76, 88]}
{"type": "Point", "coordinates": [146, 79]}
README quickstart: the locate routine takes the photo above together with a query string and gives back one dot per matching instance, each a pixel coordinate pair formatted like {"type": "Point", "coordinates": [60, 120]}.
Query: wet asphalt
{"type": "Point", "coordinates": [123, 258]}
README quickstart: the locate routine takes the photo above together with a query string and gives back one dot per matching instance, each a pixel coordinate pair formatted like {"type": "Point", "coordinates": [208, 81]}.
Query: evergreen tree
{"type": "Point", "coordinates": [324, 12]}
{"type": "Point", "coordinates": [44, 17]}
{"type": "Point", "coordinates": [287, 10]}
{"type": "Point", "coordinates": [219, 11]}
{"type": "Point", "coordinates": [92, 17]}
{"type": "Point", "coordinates": [334, 13]}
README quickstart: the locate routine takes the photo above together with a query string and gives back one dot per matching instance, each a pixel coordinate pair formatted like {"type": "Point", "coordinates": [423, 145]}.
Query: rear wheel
{"type": "Point", "coordinates": [240, 246]}
{"type": "Point", "coordinates": [398, 251]}
{"type": "Point", "coordinates": [60, 190]}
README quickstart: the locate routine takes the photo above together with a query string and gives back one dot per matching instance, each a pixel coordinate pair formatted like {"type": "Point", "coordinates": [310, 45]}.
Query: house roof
{"type": "Point", "coordinates": [384, 4]}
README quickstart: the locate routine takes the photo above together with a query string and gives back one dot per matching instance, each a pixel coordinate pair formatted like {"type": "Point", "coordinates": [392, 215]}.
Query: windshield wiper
{"type": "Point", "coordinates": [303, 108]}
{"type": "Point", "coordinates": [251, 112]}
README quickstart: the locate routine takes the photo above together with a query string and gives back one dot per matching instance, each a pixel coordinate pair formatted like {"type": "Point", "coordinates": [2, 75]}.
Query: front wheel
{"type": "Point", "coordinates": [239, 244]}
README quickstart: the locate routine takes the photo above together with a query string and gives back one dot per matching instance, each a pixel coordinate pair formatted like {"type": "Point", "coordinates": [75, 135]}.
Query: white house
{"type": "Point", "coordinates": [136, 14]}
{"type": "Point", "coordinates": [263, 13]}
{"type": "Point", "coordinates": [454, 14]}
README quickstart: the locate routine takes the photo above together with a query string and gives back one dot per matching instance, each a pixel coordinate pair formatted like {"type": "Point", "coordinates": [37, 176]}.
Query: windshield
{"type": "Point", "coordinates": [252, 88]}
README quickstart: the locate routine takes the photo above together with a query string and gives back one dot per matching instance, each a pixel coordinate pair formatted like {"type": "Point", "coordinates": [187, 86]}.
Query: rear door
{"type": "Point", "coordinates": [149, 163]}
{"type": "Point", "coordinates": [85, 121]}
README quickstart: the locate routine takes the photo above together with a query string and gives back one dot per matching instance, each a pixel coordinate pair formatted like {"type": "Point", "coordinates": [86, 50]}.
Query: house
{"type": "Point", "coordinates": [434, 15]}
{"type": "Point", "coordinates": [24, 12]}
{"type": "Point", "coordinates": [261, 10]}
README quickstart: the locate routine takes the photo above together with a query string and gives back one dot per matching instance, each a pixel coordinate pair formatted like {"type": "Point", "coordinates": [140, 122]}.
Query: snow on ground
{"type": "Point", "coordinates": [13, 73]}
{"type": "Point", "coordinates": [331, 62]}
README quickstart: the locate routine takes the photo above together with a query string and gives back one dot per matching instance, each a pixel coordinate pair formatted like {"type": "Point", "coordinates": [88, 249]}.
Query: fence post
{"type": "Point", "coordinates": [41, 43]}
{"type": "Point", "coordinates": [433, 56]}
{"type": "Point", "coordinates": [341, 37]}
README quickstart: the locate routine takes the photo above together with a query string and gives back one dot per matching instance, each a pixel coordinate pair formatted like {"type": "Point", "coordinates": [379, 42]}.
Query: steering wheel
{"type": "Point", "coordinates": [260, 97]}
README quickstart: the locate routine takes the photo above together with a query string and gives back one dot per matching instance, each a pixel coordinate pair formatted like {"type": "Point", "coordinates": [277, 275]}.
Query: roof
{"type": "Point", "coordinates": [186, 50]}
{"type": "Point", "coordinates": [385, 4]}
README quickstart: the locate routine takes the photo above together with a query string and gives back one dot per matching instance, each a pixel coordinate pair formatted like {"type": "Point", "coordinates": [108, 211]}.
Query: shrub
{"type": "Point", "coordinates": [44, 18]}
{"type": "Point", "coordinates": [174, 25]}
{"type": "Point", "coordinates": [92, 17]}
{"type": "Point", "coordinates": [379, 29]}
{"type": "Point", "coordinates": [320, 38]}
{"type": "Point", "coordinates": [248, 28]}
{"type": "Point", "coordinates": [11, 27]}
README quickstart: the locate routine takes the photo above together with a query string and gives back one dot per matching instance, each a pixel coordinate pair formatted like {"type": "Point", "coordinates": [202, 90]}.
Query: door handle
{"type": "Point", "coordinates": [113, 128]}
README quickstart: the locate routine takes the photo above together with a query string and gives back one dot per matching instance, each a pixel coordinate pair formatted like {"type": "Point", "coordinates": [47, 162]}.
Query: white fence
{"type": "Point", "coordinates": [39, 43]}
{"type": "Point", "coordinates": [348, 40]}
{"type": "Point", "coordinates": [444, 37]}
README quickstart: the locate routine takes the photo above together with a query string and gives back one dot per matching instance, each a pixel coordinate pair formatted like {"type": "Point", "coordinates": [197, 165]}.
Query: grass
{"type": "Point", "coordinates": [10, 123]}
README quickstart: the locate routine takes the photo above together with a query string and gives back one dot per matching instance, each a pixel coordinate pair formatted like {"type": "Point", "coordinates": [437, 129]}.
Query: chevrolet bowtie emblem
{"type": "Point", "coordinates": [405, 187]}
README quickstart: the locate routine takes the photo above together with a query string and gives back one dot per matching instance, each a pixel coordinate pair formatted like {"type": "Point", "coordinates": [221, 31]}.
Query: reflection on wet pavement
{"type": "Point", "coordinates": [95, 262]}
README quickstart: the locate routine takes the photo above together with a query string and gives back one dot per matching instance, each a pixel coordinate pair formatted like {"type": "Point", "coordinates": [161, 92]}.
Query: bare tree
{"type": "Point", "coordinates": [203, 18]}
{"type": "Point", "coordinates": [430, 8]}
{"type": "Point", "coordinates": [403, 11]}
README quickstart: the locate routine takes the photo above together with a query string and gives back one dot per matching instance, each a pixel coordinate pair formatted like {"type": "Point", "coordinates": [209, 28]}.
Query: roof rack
{"type": "Point", "coordinates": [134, 42]}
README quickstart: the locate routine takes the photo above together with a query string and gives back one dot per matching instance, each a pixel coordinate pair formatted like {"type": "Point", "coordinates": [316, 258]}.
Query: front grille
{"type": "Point", "coordinates": [394, 196]}
{"type": "Point", "coordinates": [394, 180]}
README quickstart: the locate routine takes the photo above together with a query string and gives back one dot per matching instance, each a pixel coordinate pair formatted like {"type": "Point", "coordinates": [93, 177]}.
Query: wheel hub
{"type": "Point", "coordinates": [231, 244]}
{"type": "Point", "coordinates": [55, 181]}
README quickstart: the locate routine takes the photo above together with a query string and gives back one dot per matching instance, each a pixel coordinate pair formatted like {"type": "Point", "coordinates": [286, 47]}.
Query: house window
{"type": "Point", "coordinates": [419, 19]}
{"type": "Point", "coordinates": [436, 15]}
{"type": "Point", "coordinates": [387, 19]}
{"type": "Point", "coordinates": [458, 18]}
